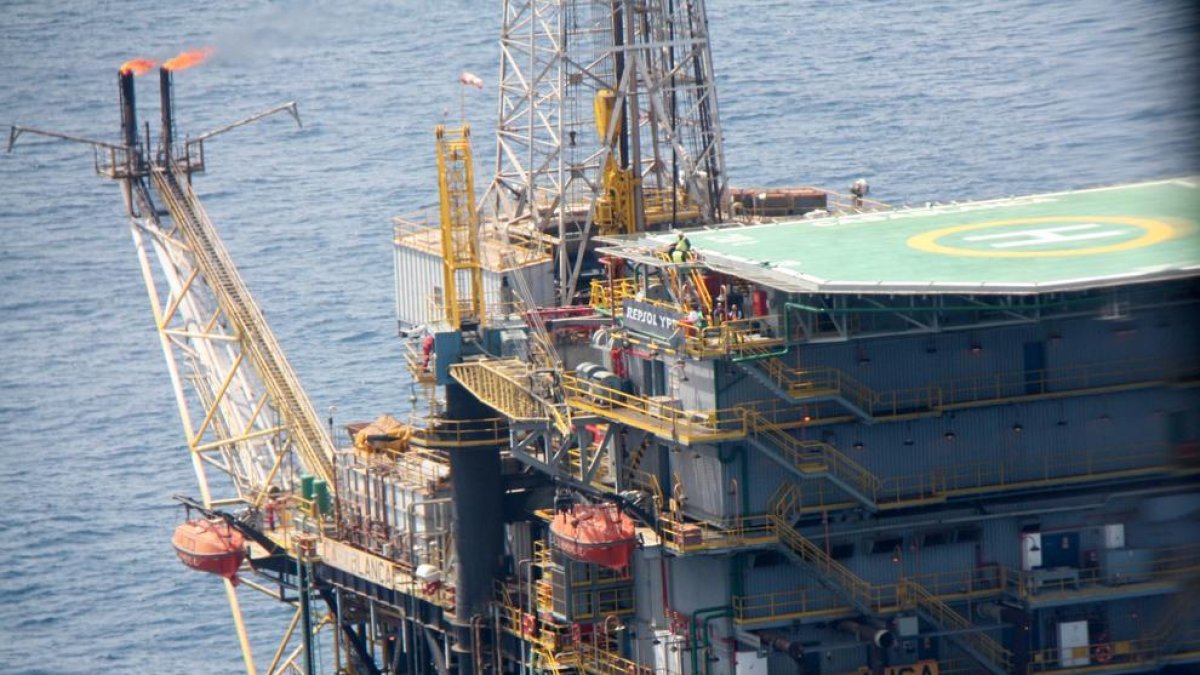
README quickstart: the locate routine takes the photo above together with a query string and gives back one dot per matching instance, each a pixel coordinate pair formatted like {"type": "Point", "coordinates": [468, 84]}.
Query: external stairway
{"type": "Point", "coordinates": [309, 435]}
{"type": "Point", "coordinates": [694, 277]}
{"type": "Point", "coordinates": [812, 459]}
{"type": "Point", "coordinates": [860, 594]}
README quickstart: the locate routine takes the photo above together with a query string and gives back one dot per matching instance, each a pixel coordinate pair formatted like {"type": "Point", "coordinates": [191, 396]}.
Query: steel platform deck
{"type": "Point", "coordinates": [1052, 242]}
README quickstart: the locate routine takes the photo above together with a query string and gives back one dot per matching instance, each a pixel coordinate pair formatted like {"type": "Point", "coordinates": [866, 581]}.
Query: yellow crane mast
{"type": "Point", "coordinates": [460, 228]}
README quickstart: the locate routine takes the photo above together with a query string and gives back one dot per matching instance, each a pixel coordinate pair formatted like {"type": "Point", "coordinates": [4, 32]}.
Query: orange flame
{"type": "Point", "coordinates": [188, 59]}
{"type": "Point", "coordinates": [137, 66]}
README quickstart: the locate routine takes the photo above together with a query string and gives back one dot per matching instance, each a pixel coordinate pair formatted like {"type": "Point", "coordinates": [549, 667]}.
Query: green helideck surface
{"type": "Point", "coordinates": [1057, 241]}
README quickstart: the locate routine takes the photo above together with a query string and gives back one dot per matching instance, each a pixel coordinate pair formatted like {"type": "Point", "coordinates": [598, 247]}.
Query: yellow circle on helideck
{"type": "Point", "coordinates": [1154, 231]}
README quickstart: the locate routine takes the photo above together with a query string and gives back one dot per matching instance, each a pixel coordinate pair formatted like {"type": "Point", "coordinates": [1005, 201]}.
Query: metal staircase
{"type": "Point", "coordinates": [694, 277]}
{"type": "Point", "coordinates": [808, 385]}
{"type": "Point", "coordinates": [633, 463]}
{"type": "Point", "coordinates": [867, 599]}
{"type": "Point", "coordinates": [309, 436]}
{"type": "Point", "coordinates": [812, 459]}
{"type": "Point", "coordinates": [831, 573]}
{"type": "Point", "coordinates": [986, 651]}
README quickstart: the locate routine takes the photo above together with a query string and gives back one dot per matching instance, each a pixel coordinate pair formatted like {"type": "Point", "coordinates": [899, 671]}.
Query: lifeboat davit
{"type": "Point", "coordinates": [594, 533]}
{"type": "Point", "coordinates": [210, 546]}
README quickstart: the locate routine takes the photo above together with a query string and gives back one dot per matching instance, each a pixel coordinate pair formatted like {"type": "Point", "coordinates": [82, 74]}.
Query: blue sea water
{"type": "Point", "coordinates": [927, 100]}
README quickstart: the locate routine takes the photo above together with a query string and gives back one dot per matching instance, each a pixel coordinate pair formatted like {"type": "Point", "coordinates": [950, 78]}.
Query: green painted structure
{"type": "Point", "coordinates": [1061, 241]}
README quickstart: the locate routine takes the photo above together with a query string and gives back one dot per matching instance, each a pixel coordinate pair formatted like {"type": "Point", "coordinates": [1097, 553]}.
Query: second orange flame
{"type": "Point", "coordinates": [188, 59]}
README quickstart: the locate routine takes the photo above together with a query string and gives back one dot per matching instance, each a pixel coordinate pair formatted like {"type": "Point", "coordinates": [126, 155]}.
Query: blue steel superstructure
{"type": "Point", "coordinates": [860, 477]}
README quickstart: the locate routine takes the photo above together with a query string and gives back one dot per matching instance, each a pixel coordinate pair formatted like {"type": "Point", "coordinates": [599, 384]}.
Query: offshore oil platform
{"type": "Point", "coordinates": [665, 425]}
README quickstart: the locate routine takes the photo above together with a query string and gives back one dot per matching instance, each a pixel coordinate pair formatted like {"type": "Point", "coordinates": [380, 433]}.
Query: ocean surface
{"type": "Point", "coordinates": [926, 100]}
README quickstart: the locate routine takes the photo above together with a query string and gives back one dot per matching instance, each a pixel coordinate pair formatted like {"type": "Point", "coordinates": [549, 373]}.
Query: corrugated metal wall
{"type": "Point", "coordinates": [1031, 439]}
{"type": "Point", "coordinates": [697, 582]}
{"type": "Point", "coordinates": [908, 361]}
{"type": "Point", "coordinates": [696, 384]}
{"type": "Point", "coordinates": [417, 275]}
{"type": "Point", "coordinates": [1010, 442]}
{"type": "Point", "coordinates": [765, 478]}
{"type": "Point", "coordinates": [1028, 440]}
{"type": "Point", "coordinates": [705, 482]}
{"type": "Point", "coordinates": [419, 282]}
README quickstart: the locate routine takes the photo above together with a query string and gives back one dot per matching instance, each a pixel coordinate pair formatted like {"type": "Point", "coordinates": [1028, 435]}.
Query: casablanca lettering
{"type": "Point", "coordinates": [370, 567]}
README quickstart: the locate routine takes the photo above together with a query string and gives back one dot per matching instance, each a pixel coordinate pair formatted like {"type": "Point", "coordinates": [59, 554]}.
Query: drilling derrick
{"type": "Point", "coordinates": [659, 146]}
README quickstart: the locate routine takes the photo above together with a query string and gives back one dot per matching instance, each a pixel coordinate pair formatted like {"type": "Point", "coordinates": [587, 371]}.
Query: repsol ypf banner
{"type": "Point", "coordinates": [655, 320]}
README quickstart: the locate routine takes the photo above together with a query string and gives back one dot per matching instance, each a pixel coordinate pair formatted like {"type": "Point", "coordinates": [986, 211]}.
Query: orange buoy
{"type": "Point", "coordinates": [210, 546]}
{"type": "Point", "coordinates": [595, 533]}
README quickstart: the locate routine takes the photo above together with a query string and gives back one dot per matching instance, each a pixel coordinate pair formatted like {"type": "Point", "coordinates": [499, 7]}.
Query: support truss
{"type": "Point", "coordinates": [556, 56]}
{"type": "Point", "coordinates": [231, 420]}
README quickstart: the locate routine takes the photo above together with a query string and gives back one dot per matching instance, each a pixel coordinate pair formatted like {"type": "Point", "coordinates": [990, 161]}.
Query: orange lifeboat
{"type": "Point", "coordinates": [210, 546]}
{"type": "Point", "coordinates": [594, 533]}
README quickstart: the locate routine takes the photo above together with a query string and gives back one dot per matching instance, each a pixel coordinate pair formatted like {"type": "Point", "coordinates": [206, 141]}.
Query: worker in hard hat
{"type": "Point", "coordinates": [679, 252]}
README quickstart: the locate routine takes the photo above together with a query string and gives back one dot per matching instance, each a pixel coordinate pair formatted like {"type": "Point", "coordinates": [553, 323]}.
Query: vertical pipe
{"type": "Point", "coordinates": [633, 121]}
{"type": "Point", "coordinates": [497, 659]}
{"type": "Point", "coordinates": [165, 86]}
{"type": "Point", "coordinates": [305, 615]}
{"type": "Point", "coordinates": [129, 130]}
{"type": "Point", "coordinates": [618, 23]}
{"type": "Point", "coordinates": [709, 613]}
{"type": "Point", "coordinates": [528, 602]}
{"type": "Point", "coordinates": [128, 108]}
{"type": "Point", "coordinates": [478, 514]}
{"type": "Point", "coordinates": [337, 634]}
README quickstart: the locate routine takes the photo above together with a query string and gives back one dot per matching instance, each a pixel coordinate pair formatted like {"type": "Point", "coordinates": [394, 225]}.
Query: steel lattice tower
{"type": "Point", "coordinates": [556, 57]}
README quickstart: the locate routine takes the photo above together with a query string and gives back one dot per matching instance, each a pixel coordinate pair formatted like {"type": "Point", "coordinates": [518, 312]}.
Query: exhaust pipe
{"type": "Point", "coordinates": [880, 637]}
{"type": "Point", "coordinates": [129, 130]}
{"type": "Point", "coordinates": [165, 86]}
{"type": "Point", "coordinates": [781, 644]}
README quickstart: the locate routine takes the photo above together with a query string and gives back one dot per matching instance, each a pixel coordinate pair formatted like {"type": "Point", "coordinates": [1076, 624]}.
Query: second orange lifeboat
{"type": "Point", "coordinates": [210, 546]}
{"type": "Point", "coordinates": [594, 533]}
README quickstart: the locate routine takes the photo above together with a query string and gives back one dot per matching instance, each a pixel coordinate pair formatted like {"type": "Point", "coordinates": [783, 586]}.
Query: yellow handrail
{"type": "Point", "coordinates": [975, 583]}
{"type": "Point", "coordinates": [438, 432]}
{"type": "Point", "coordinates": [913, 594]}
{"type": "Point", "coordinates": [690, 536]}
{"type": "Point", "coordinates": [651, 415]}
{"type": "Point", "coordinates": [608, 296]}
{"type": "Point", "coordinates": [811, 382]}
{"type": "Point", "coordinates": [814, 455]}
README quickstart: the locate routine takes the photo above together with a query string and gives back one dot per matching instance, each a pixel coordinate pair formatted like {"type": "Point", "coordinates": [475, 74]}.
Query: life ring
{"type": "Point", "coordinates": [1102, 653]}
